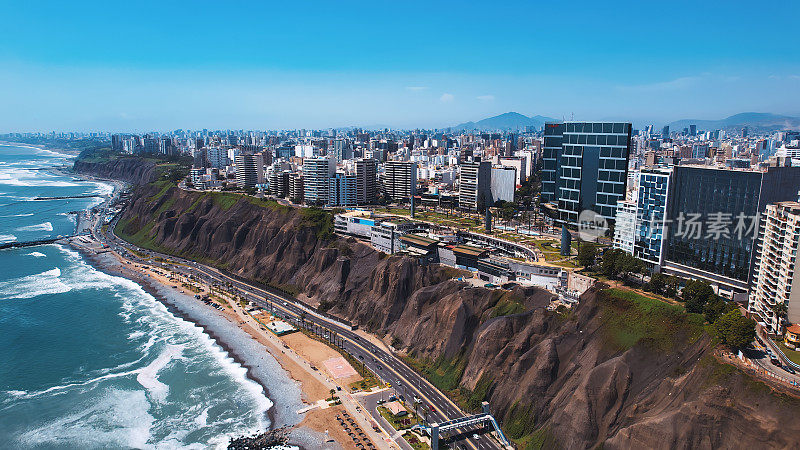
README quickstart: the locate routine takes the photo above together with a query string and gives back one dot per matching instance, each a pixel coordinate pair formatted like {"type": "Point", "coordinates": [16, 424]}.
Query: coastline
{"type": "Point", "coordinates": [284, 392]}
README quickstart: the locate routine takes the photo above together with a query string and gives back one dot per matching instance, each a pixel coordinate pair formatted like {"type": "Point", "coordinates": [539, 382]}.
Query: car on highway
{"type": "Point", "coordinates": [789, 369]}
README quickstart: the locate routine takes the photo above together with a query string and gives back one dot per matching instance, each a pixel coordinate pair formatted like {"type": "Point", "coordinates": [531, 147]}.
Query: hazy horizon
{"type": "Point", "coordinates": [150, 66]}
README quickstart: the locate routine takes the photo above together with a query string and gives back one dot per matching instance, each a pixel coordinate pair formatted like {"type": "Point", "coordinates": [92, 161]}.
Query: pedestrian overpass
{"type": "Point", "coordinates": [484, 419]}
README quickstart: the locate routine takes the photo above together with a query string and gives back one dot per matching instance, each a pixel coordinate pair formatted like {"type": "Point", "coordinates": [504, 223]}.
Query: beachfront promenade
{"type": "Point", "coordinates": [373, 353]}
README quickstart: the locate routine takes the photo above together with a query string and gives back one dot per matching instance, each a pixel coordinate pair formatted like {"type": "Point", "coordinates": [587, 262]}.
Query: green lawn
{"type": "Point", "coordinates": [793, 355]}
{"type": "Point", "coordinates": [415, 442]}
{"type": "Point", "coordinates": [631, 318]}
{"type": "Point", "coordinates": [398, 423]}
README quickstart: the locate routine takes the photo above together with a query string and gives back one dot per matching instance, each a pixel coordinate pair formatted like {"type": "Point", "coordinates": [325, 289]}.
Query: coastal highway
{"type": "Point", "coordinates": [405, 381]}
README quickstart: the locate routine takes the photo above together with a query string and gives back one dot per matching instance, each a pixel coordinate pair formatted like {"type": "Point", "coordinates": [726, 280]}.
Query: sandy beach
{"type": "Point", "coordinates": [291, 368]}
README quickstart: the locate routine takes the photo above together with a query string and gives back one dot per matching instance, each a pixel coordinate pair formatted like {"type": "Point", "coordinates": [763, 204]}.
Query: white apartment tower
{"type": "Point", "coordinates": [775, 280]}
{"type": "Point", "coordinates": [625, 226]}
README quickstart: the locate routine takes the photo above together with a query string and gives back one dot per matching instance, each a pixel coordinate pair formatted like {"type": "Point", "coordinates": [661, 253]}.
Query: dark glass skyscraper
{"type": "Point", "coordinates": [721, 196]}
{"type": "Point", "coordinates": [590, 167]}
{"type": "Point", "coordinates": [551, 161]}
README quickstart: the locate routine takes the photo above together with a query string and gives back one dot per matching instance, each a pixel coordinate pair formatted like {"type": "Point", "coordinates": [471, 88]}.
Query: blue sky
{"type": "Point", "coordinates": [142, 65]}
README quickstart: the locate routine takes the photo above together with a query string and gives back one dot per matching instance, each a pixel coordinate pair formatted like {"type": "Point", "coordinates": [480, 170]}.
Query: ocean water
{"type": "Point", "coordinates": [90, 360]}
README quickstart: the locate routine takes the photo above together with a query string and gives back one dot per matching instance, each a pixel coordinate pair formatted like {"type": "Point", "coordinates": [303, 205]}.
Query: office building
{"type": "Point", "coordinates": [317, 174]}
{"type": "Point", "coordinates": [775, 280]}
{"type": "Point", "coordinates": [503, 184]}
{"type": "Point", "coordinates": [400, 180]}
{"type": "Point", "coordinates": [551, 161]}
{"type": "Point", "coordinates": [366, 181]}
{"type": "Point", "coordinates": [474, 186]}
{"type": "Point", "coordinates": [592, 169]}
{"type": "Point", "coordinates": [651, 215]}
{"type": "Point", "coordinates": [712, 215]}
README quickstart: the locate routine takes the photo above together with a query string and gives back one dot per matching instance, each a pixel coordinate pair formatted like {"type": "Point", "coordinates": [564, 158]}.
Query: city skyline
{"type": "Point", "coordinates": [96, 66]}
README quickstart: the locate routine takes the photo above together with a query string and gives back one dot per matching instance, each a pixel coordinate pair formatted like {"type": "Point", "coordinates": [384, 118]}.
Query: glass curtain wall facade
{"type": "Point", "coordinates": [651, 215]}
{"type": "Point", "coordinates": [551, 157]}
{"type": "Point", "coordinates": [593, 169]}
{"type": "Point", "coordinates": [700, 193]}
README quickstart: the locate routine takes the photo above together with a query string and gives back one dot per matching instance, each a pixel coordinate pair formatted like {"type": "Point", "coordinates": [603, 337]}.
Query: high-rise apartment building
{"type": "Point", "coordinates": [249, 170]}
{"type": "Point", "coordinates": [474, 185]}
{"type": "Point", "coordinates": [366, 181]}
{"type": "Point", "coordinates": [400, 180]}
{"type": "Point", "coordinates": [625, 226]}
{"type": "Point", "coordinates": [217, 157]}
{"type": "Point", "coordinates": [342, 190]}
{"type": "Point", "coordinates": [775, 280]}
{"type": "Point", "coordinates": [342, 150]}
{"type": "Point", "coordinates": [296, 187]}
{"type": "Point", "coordinates": [279, 183]}
{"type": "Point", "coordinates": [317, 174]}
{"type": "Point", "coordinates": [591, 169]}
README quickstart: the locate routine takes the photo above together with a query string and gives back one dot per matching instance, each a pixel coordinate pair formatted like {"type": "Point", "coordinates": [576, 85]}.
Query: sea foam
{"type": "Point", "coordinates": [46, 226]}
{"type": "Point", "coordinates": [34, 285]}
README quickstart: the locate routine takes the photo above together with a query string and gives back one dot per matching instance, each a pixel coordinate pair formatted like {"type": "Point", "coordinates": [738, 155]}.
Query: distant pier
{"type": "Point", "coordinates": [32, 243]}
{"type": "Point", "coordinates": [69, 196]}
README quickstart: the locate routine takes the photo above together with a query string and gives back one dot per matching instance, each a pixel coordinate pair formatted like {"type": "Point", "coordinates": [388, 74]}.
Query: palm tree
{"type": "Point", "coordinates": [780, 310]}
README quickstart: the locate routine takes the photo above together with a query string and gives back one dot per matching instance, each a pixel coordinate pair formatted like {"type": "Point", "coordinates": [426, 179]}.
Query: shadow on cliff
{"type": "Point", "coordinates": [615, 372]}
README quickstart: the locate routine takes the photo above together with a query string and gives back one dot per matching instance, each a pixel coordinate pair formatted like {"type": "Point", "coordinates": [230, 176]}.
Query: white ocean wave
{"type": "Point", "coordinates": [47, 226]}
{"type": "Point", "coordinates": [103, 188]}
{"type": "Point", "coordinates": [4, 238]}
{"type": "Point", "coordinates": [119, 418]}
{"type": "Point", "coordinates": [27, 178]}
{"type": "Point", "coordinates": [18, 215]}
{"type": "Point", "coordinates": [34, 285]}
{"type": "Point", "coordinates": [176, 340]}
{"type": "Point", "coordinates": [37, 254]}
{"type": "Point", "coordinates": [148, 376]}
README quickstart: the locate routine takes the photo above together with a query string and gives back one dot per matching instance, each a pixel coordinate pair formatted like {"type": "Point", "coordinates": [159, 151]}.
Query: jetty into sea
{"type": "Point", "coordinates": [68, 197]}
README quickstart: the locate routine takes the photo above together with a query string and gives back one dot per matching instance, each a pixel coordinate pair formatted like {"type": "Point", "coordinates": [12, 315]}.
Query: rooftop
{"type": "Point", "coordinates": [469, 250]}
{"type": "Point", "coordinates": [421, 241]}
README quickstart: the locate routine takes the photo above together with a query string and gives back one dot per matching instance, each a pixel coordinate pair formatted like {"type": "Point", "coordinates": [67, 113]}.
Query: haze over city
{"type": "Point", "coordinates": [154, 66]}
{"type": "Point", "coordinates": [400, 225]}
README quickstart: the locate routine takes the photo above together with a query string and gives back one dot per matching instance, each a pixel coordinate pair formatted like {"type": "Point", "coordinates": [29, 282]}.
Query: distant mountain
{"type": "Point", "coordinates": [505, 121]}
{"type": "Point", "coordinates": [755, 121]}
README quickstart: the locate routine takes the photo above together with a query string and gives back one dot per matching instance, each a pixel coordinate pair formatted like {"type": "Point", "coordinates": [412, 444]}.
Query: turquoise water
{"type": "Point", "coordinates": [90, 360]}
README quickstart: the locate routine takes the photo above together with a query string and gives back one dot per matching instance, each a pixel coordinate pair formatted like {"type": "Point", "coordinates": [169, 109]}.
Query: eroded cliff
{"type": "Point", "coordinates": [615, 372]}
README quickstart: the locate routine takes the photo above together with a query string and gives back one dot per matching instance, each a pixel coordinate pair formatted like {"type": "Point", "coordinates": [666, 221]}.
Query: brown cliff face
{"type": "Point", "coordinates": [132, 170]}
{"type": "Point", "coordinates": [605, 374]}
